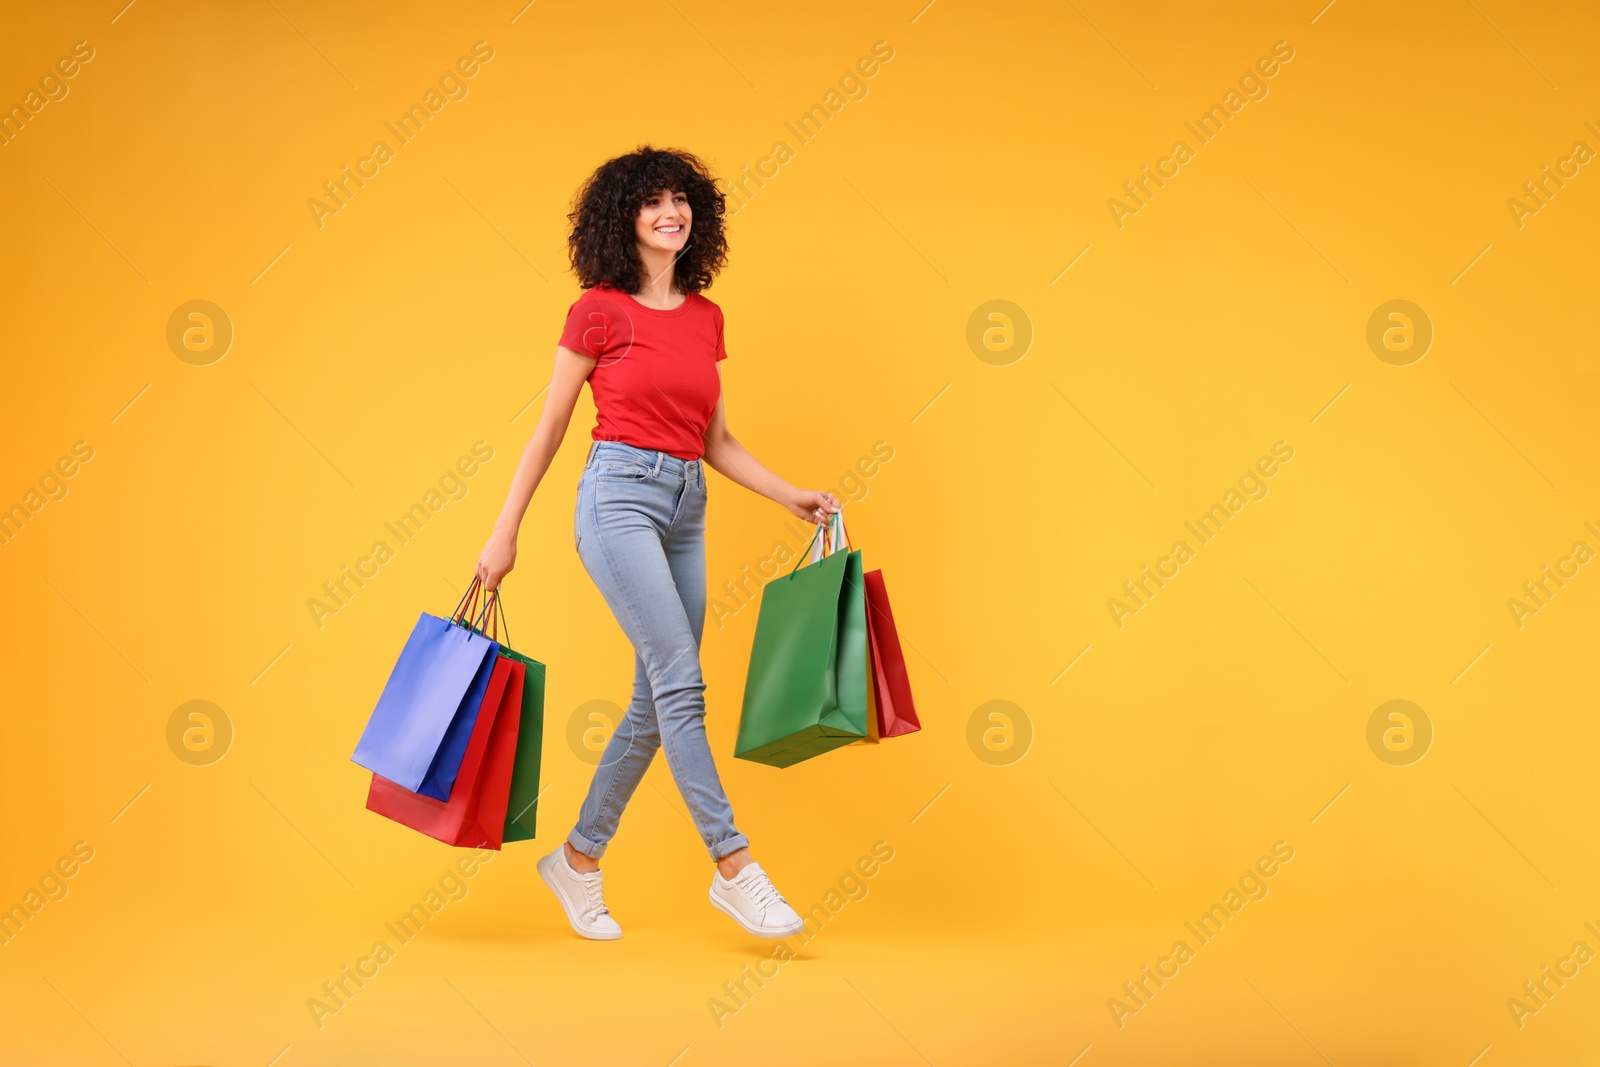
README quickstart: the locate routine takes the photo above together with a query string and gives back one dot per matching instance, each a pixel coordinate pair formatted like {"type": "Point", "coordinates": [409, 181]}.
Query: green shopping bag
{"type": "Point", "coordinates": [524, 801]}
{"type": "Point", "coordinates": [806, 690]}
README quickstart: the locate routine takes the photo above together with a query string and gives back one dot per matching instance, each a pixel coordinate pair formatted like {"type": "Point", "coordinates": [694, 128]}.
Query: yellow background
{"type": "Point", "coordinates": [1227, 715]}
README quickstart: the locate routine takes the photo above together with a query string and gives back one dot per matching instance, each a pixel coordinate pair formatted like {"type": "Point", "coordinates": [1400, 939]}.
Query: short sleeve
{"type": "Point", "coordinates": [587, 326]}
{"type": "Point", "coordinates": [722, 349]}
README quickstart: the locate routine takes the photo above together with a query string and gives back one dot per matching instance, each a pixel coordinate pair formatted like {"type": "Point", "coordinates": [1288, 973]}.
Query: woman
{"type": "Point", "coordinates": [648, 343]}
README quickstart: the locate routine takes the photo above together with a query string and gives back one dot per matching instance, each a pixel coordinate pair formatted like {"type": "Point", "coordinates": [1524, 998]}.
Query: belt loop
{"type": "Point", "coordinates": [661, 457]}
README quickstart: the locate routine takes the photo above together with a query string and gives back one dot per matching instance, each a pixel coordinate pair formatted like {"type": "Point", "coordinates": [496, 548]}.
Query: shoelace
{"type": "Point", "coordinates": [594, 903]}
{"type": "Point", "coordinates": [759, 888]}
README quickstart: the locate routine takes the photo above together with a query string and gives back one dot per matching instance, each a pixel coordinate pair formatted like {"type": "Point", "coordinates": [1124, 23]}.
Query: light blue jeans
{"type": "Point", "coordinates": [640, 531]}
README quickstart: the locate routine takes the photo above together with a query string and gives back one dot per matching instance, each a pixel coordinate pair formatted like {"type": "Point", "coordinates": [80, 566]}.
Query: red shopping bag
{"type": "Point", "coordinates": [891, 687]}
{"type": "Point", "coordinates": [475, 814]}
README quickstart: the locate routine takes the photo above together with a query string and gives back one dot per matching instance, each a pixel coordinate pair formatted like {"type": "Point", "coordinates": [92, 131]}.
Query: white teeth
{"type": "Point", "coordinates": [668, 229]}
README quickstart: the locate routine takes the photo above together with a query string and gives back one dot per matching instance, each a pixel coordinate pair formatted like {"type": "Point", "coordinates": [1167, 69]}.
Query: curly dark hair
{"type": "Point", "coordinates": [602, 244]}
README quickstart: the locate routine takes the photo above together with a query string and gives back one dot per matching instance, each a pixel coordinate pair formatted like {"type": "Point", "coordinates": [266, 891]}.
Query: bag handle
{"type": "Point", "coordinates": [500, 609]}
{"type": "Point", "coordinates": [831, 539]}
{"type": "Point", "coordinates": [475, 619]}
{"type": "Point", "coordinates": [457, 616]}
{"type": "Point", "coordinates": [830, 544]}
{"type": "Point", "coordinates": [494, 614]}
{"type": "Point", "coordinates": [844, 535]}
{"type": "Point", "coordinates": [488, 617]}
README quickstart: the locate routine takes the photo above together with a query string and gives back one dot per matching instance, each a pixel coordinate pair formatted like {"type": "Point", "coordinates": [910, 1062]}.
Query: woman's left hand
{"type": "Point", "coordinates": [813, 505]}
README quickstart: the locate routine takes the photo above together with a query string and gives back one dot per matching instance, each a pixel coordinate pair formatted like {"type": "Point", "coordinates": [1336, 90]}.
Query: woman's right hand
{"type": "Point", "coordinates": [497, 558]}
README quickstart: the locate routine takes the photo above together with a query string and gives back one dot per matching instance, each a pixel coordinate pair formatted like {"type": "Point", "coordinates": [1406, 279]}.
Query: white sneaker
{"type": "Point", "coordinates": [751, 900]}
{"type": "Point", "coordinates": [580, 896]}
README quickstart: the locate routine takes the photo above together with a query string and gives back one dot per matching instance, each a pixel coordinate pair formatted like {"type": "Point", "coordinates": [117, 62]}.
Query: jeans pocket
{"type": "Point", "coordinates": [623, 470]}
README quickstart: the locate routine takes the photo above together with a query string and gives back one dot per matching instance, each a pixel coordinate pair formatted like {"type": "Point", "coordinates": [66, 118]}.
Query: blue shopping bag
{"type": "Point", "coordinates": [418, 732]}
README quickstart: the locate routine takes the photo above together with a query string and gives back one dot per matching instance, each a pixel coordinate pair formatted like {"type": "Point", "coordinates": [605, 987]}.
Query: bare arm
{"type": "Point", "coordinates": [725, 455]}
{"type": "Point", "coordinates": [566, 382]}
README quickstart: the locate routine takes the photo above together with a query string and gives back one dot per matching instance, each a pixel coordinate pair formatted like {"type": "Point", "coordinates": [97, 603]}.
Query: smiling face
{"type": "Point", "coordinates": [663, 221]}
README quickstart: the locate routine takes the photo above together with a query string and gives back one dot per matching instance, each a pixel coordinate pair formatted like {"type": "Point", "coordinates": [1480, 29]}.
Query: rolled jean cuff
{"type": "Point", "coordinates": [585, 846]}
{"type": "Point", "coordinates": [725, 848]}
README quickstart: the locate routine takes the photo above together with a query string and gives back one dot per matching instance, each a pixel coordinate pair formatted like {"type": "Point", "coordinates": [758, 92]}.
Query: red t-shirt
{"type": "Point", "coordinates": [655, 382]}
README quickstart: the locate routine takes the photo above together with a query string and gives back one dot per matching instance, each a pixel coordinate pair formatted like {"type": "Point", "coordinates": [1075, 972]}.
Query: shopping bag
{"type": "Point", "coordinates": [475, 814]}
{"type": "Point", "coordinates": [806, 688]}
{"type": "Point", "coordinates": [891, 686]}
{"type": "Point", "coordinates": [419, 730]}
{"type": "Point", "coordinates": [523, 801]}
{"type": "Point", "coordinates": [874, 719]}
{"type": "Point", "coordinates": [873, 730]}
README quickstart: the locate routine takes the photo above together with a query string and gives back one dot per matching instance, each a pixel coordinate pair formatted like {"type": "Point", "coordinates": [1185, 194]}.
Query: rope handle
{"type": "Point", "coordinates": [459, 616]}
{"type": "Point", "coordinates": [830, 543]}
{"type": "Point", "coordinates": [838, 517]}
{"type": "Point", "coordinates": [831, 539]}
{"type": "Point", "coordinates": [815, 533]}
{"type": "Point", "coordinates": [500, 608]}
{"type": "Point", "coordinates": [469, 615]}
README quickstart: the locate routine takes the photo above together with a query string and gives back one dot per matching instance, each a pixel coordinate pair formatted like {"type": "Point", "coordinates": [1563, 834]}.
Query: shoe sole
{"type": "Point", "coordinates": [753, 930]}
{"type": "Point", "coordinates": [548, 879]}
